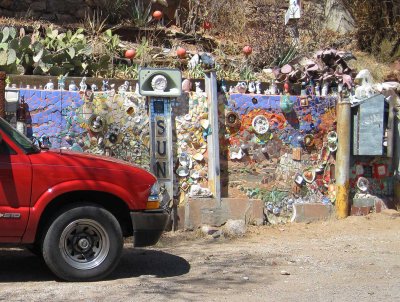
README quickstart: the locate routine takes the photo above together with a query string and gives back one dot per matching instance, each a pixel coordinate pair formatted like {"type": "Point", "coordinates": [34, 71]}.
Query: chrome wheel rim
{"type": "Point", "coordinates": [84, 244]}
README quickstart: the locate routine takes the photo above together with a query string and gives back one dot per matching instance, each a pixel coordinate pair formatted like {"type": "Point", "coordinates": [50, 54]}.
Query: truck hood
{"type": "Point", "coordinates": [61, 157]}
{"type": "Point", "coordinates": [83, 171]}
{"type": "Point", "coordinates": [93, 158]}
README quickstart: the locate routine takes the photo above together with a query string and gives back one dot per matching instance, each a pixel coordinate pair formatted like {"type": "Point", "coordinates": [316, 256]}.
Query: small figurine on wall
{"type": "Point", "coordinates": [258, 87]}
{"type": "Point", "coordinates": [198, 89]}
{"type": "Point", "coordinates": [124, 87]}
{"type": "Point", "coordinates": [252, 87]}
{"type": "Point", "coordinates": [61, 82]}
{"type": "Point", "coordinates": [273, 89]}
{"type": "Point", "coordinates": [8, 82]}
{"type": "Point", "coordinates": [49, 85]}
{"type": "Point", "coordinates": [241, 87]}
{"type": "Point", "coordinates": [83, 85]}
{"type": "Point", "coordinates": [224, 89]}
{"type": "Point", "coordinates": [186, 85]}
{"type": "Point", "coordinates": [72, 86]}
{"type": "Point", "coordinates": [105, 86]}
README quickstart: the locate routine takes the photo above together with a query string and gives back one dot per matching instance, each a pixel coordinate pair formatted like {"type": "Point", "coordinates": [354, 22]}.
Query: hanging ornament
{"type": "Point", "coordinates": [157, 15]}
{"type": "Point", "coordinates": [181, 52]}
{"type": "Point", "coordinates": [247, 50]}
{"type": "Point", "coordinates": [130, 53]}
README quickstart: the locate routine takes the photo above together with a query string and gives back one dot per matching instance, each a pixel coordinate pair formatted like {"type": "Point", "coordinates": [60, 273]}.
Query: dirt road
{"type": "Point", "coordinates": [357, 259]}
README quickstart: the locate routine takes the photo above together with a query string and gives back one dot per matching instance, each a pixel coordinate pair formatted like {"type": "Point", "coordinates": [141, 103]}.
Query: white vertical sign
{"type": "Point", "coordinates": [294, 10]}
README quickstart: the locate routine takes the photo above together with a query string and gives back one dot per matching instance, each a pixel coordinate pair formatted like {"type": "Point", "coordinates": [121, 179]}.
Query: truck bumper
{"type": "Point", "coordinates": [148, 226]}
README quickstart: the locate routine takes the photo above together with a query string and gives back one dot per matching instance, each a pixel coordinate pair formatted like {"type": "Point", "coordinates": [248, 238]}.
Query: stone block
{"type": "Point", "coordinates": [363, 202]}
{"type": "Point", "coordinates": [213, 216]}
{"type": "Point", "coordinates": [311, 212]}
{"type": "Point", "coordinates": [360, 211]}
{"type": "Point", "coordinates": [243, 208]}
{"type": "Point", "coordinates": [181, 218]}
{"type": "Point", "coordinates": [209, 211]}
{"type": "Point", "coordinates": [193, 211]}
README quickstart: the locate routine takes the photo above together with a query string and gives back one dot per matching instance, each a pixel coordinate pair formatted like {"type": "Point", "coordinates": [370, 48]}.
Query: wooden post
{"type": "Point", "coordinates": [214, 170]}
{"type": "Point", "coordinates": [3, 76]}
{"type": "Point", "coordinates": [342, 170]}
{"type": "Point", "coordinates": [394, 137]}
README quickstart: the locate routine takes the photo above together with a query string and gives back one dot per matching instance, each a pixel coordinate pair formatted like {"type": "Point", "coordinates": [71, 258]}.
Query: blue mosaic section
{"type": "Point", "coordinates": [53, 114]}
{"type": "Point", "coordinates": [242, 103]}
{"type": "Point", "coordinates": [305, 118]}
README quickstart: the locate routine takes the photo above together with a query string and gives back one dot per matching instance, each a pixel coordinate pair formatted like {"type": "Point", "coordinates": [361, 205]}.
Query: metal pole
{"type": "Point", "coordinates": [3, 76]}
{"type": "Point", "coordinates": [214, 169]}
{"type": "Point", "coordinates": [396, 148]}
{"type": "Point", "coordinates": [342, 170]}
{"type": "Point", "coordinates": [397, 163]}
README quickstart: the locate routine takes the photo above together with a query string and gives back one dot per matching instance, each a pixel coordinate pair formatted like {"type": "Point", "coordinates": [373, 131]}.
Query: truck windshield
{"type": "Point", "coordinates": [21, 140]}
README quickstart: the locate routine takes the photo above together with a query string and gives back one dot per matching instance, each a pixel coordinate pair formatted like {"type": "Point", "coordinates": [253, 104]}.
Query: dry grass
{"type": "Point", "coordinates": [367, 61]}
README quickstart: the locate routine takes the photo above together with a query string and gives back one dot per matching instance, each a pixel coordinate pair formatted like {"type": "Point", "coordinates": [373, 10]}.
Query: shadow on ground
{"type": "Point", "coordinates": [18, 265]}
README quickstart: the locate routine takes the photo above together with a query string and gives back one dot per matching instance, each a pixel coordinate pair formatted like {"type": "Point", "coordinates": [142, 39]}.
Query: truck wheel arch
{"type": "Point", "coordinates": [48, 205]}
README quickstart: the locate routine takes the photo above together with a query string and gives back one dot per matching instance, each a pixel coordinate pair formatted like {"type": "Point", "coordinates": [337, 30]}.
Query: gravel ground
{"type": "Point", "coordinates": [356, 259]}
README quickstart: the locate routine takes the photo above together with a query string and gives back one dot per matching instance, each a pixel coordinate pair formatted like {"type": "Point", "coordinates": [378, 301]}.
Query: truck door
{"type": "Point", "coordinates": [15, 191]}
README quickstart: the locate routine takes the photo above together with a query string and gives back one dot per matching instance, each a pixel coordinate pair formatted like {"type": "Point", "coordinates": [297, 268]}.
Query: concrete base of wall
{"type": "Point", "coordinates": [208, 211]}
{"type": "Point", "coordinates": [312, 212]}
{"type": "Point", "coordinates": [200, 211]}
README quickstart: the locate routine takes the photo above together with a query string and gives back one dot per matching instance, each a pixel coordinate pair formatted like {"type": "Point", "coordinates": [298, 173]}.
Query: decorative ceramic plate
{"type": "Point", "coordinates": [260, 124]}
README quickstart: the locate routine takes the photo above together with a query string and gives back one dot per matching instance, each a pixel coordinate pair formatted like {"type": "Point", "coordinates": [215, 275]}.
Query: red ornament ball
{"type": "Point", "coordinates": [207, 25]}
{"type": "Point", "coordinates": [157, 15]}
{"type": "Point", "coordinates": [286, 87]}
{"type": "Point", "coordinates": [247, 50]}
{"type": "Point", "coordinates": [130, 53]}
{"type": "Point", "coordinates": [181, 52]}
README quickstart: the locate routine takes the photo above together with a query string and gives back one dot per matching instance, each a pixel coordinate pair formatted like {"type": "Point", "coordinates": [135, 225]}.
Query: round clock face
{"type": "Point", "coordinates": [159, 83]}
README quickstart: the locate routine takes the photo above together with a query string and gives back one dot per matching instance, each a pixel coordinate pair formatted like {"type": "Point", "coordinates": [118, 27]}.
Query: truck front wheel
{"type": "Point", "coordinates": [83, 243]}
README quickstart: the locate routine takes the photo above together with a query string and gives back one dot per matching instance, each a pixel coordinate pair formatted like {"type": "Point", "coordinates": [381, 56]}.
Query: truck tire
{"type": "Point", "coordinates": [83, 243]}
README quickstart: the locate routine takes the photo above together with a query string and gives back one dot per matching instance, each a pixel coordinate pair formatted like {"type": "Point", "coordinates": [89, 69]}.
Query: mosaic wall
{"type": "Point", "coordinates": [276, 148]}
{"type": "Point", "coordinates": [282, 150]}
{"type": "Point", "coordinates": [100, 123]}
{"type": "Point", "coordinates": [190, 113]}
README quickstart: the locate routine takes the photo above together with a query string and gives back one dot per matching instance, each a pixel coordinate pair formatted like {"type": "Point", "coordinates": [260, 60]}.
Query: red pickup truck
{"type": "Point", "coordinates": [74, 209]}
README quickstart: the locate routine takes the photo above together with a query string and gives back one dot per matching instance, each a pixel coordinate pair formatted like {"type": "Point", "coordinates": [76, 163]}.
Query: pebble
{"type": "Point", "coordinates": [285, 273]}
{"type": "Point", "coordinates": [217, 234]}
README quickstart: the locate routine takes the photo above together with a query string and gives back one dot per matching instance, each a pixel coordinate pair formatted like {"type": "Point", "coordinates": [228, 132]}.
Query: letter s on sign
{"type": "Point", "coordinates": [160, 127]}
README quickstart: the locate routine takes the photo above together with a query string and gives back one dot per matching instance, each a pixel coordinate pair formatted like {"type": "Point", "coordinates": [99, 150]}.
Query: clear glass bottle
{"type": "Point", "coordinates": [21, 116]}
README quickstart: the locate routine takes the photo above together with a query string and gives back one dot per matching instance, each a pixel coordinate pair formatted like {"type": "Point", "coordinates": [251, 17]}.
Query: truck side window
{"type": "Point", "coordinates": [5, 149]}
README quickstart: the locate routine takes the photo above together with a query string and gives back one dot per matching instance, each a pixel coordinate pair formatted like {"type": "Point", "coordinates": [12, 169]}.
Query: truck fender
{"type": "Point", "coordinates": [76, 185]}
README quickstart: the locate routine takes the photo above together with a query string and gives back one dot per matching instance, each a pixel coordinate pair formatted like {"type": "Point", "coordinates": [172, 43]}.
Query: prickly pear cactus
{"type": "Point", "coordinates": [11, 57]}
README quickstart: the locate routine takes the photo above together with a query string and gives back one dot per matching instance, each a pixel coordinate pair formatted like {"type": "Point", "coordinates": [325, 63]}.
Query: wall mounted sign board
{"type": "Point", "coordinates": [160, 82]}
